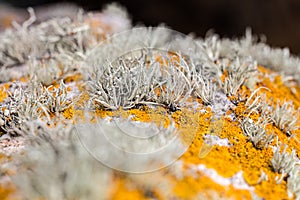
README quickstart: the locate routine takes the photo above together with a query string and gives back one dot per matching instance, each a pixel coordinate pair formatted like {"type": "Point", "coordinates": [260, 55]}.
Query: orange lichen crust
{"type": "Point", "coordinates": [3, 93]}
{"type": "Point", "coordinates": [278, 90]}
{"type": "Point", "coordinates": [203, 187]}
{"type": "Point", "coordinates": [125, 190]}
{"type": "Point", "coordinates": [7, 190]}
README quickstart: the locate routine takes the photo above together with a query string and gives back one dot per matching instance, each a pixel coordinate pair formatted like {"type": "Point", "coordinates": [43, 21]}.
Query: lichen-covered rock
{"type": "Point", "coordinates": [92, 108]}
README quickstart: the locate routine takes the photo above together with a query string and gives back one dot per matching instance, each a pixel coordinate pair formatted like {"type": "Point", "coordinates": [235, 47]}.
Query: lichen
{"type": "Point", "coordinates": [217, 89]}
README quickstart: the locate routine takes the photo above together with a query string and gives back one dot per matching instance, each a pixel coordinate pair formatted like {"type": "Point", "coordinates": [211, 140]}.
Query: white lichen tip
{"type": "Point", "coordinates": [283, 162]}
{"type": "Point", "coordinates": [256, 132]}
{"type": "Point", "coordinates": [285, 117]}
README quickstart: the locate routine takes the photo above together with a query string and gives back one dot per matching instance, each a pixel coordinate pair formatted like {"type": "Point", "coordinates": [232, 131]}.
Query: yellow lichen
{"type": "Point", "coordinates": [69, 112]}
{"type": "Point", "coordinates": [124, 189]}
{"type": "Point", "coordinates": [194, 188]}
{"type": "Point", "coordinates": [7, 192]}
{"type": "Point", "coordinates": [3, 91]}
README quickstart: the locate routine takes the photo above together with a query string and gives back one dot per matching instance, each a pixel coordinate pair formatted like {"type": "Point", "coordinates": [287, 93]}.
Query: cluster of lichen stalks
{"type": "Point", "coordinates": [235, 104]}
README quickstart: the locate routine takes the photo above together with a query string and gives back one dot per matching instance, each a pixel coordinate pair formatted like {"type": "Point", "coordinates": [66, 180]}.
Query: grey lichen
{"type": "Point", "coordinates": [136, 80]}
{"type": "Point", "coordinates": [285, 117]}
{"type": "Point", "coordinates": [56, 166]}
{"type": "Point", "coordinates": [63, 40]}
{"type": "Point", "coordinates": [238, 70]}
{"type": "Point", "coordinates": [57, 98]}
{"type": "Point", "coordinates": [293, 182]}
{"type": "Point", "coordinates": [32, 101]}
{"type": "Point", "coordinates": [283, 162]}
{"type": "Point", "coordinates": [257, 133]}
